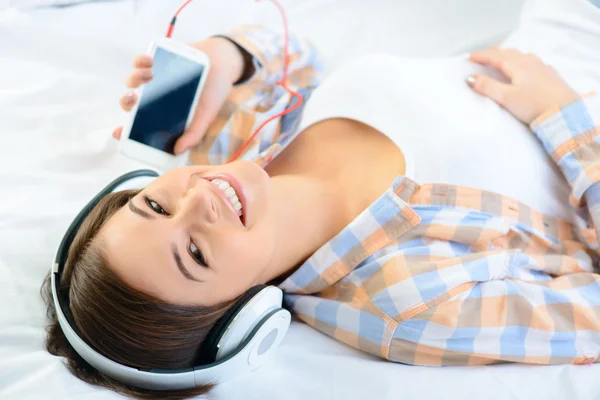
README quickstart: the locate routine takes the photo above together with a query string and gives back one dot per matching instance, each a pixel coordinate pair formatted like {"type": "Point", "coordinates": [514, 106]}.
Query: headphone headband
{"type": "Point", "coordinates": [262, 336]}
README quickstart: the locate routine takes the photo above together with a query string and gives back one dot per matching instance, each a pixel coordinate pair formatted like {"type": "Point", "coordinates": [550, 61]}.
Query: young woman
{"type": "Point", "coordinates": [338, 209]}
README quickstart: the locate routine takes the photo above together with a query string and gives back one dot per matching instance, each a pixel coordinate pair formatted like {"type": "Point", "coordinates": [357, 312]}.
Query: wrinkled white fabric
{"type": "Point", "coordinates": [61, 74]}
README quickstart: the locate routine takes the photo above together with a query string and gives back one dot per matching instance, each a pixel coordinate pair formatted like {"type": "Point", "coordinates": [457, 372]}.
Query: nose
{"type": "Point", "coordinates": [198, 203]}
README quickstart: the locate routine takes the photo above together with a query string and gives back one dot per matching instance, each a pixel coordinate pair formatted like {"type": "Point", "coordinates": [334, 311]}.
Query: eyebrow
{"type": "Point", "coordinates": [180, 265]}
{"type": "Point", "coordinates": [139, 211]}
{"type": "Point", "coordinates": [176, 255]}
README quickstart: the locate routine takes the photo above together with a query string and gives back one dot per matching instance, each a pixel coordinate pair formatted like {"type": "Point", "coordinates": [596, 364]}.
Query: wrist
{"type": "Point", "coordinates": [555, 107]}
{"type": "Point", "coordinates": [223, 53]}
{"type": "Point", "coordinates": [559, 103]}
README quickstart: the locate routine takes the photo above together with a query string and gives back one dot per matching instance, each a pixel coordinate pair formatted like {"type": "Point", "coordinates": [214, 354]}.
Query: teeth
{"type": "Point", "coordinates": [229, 193]}
{"type": "Point", "coordinates": [223, 185]}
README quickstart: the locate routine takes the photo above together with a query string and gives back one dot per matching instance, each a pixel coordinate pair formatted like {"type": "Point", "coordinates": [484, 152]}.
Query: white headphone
{"type": "Point", "coordinates": [239, 342]}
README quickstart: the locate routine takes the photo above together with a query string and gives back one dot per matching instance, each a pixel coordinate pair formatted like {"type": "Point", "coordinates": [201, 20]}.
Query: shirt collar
{"type": "Point", "coordinates": [379, 225]}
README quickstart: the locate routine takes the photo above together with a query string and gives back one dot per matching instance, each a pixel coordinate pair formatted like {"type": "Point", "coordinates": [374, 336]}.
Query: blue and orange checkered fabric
{"type": "Point", "coordinates": [435, 274]}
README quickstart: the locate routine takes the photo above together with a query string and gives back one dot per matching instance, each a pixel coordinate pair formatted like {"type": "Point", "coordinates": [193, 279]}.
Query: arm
{"type": "Point", "coordinates": [257, 98]}
{"type": "Point", "coordinates": [507, 315]}
{"type": "Point", "coordinates": [569, 136]}
{"type": "Point", "coordinates": [267, 54]}
{"type": "Point", "coordinates": [245, 65]}
{"type": "Point", "coordinates": [504, 317]}
{"type": "Point", "coordinates": [565, 123]}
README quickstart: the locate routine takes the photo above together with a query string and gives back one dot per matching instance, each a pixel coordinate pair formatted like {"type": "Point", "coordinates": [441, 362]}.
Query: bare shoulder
{"type": "Point", "coordinates": [339, 147]}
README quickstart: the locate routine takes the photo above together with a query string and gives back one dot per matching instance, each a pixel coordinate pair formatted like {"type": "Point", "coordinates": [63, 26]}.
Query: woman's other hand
{"type": "Point", "coordinates": [534, 87]}
{"type": "Point", "coordinates": [227, 66]}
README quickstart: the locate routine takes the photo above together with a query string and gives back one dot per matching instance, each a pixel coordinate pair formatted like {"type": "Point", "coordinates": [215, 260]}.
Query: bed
{"type": "Point", "coordinates": [61, 74]}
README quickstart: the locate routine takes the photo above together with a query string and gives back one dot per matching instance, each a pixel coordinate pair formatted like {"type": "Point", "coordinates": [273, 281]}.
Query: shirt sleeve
{"type": "Point", "coordinates": [500, 306]}
{"type": "Point", "coordinates": [570, 136]}
{"type": "Point", "coordinates": [259, 98]}
{"type": "Point", "coordinates": [266, 48]}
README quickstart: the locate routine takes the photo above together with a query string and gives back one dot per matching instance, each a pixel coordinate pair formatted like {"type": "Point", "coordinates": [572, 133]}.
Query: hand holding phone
{"type": "Point", "coordinates": [226, 67]}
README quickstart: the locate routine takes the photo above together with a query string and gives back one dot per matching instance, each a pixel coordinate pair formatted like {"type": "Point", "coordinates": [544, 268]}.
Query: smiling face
{"type": "Point", "coordinates": [196, 235]}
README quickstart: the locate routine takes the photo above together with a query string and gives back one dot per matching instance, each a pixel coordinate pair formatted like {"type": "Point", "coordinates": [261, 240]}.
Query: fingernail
{"type": "Point", "coordinates": [146, 75]}
{"type": "Point", "coordinates": [128, 98]}
{"type": "Point", "coordinates": [146, 63]}
{"type": "Point", "coordinates": [471, 80]}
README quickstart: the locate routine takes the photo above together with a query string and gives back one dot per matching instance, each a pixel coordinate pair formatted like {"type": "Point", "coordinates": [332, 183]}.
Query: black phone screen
{"type": "Point", "coordinates": [166, 101]}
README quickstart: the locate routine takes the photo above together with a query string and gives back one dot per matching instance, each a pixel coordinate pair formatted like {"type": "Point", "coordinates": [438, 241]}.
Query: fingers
{"type": "Point", "coordinates": [489, 87]}
{"type": "Point", "coordinates": [142, 74]}
{"type": "Point", "coordinates": [206, 111]}
{"type": "Point", "coordinates": [505, 60]}
{"type": "Point", "coordinates": [117, 133]}
{"type": "Point", "coordinates": [195, 132]}
{"type": "Point", "coordinates": [143, 61]}
{"type": "Point", "coordinates": [189, 139]}
{"type": "Point", "coordinates": [138, 77]}
{"type": "Point", "coordinates": [128, 101]}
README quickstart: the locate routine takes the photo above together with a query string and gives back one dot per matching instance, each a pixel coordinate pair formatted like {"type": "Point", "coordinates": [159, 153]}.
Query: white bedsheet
{"type": "Point", "coordinates": [61, 73]}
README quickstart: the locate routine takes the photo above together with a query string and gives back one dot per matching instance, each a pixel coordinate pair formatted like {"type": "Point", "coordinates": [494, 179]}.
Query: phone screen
{"type": "Point", "coordinates": [166, 101]}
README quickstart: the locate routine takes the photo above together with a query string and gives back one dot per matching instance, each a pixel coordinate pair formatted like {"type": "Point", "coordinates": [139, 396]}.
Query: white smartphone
{"type": "Point", "coordinates": [165, 105]}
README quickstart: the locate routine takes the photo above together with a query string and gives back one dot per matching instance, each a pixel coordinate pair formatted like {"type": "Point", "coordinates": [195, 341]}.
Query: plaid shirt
{"type": "Point", "coordinates": [435, 274]}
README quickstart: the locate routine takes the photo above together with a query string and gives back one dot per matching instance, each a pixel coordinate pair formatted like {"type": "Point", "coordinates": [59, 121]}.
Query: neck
{"type": "Point", "coordinates": [321, 182]}
{"type": "Point", "coordinates": [309, 212]}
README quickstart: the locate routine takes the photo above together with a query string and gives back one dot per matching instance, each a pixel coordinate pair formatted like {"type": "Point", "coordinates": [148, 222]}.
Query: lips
{"type": "Point", "coordinates": [230, 194]}
{"type": "Point", "coordinates": [224, 185]}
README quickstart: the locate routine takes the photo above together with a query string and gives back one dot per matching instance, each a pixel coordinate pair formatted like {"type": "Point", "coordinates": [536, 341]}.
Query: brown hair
{"type": "Point", "coordinates": [120, 322]}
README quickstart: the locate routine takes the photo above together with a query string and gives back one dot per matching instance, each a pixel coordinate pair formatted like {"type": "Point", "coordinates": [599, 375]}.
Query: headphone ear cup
{"type": "Point", "coordinates": [208, 350]}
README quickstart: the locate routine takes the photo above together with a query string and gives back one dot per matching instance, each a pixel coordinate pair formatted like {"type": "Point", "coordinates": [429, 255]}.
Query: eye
{"type": "Point", "coordinates": [197, 254]}
{"type": "Point", "coordinates": [155, 206]}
